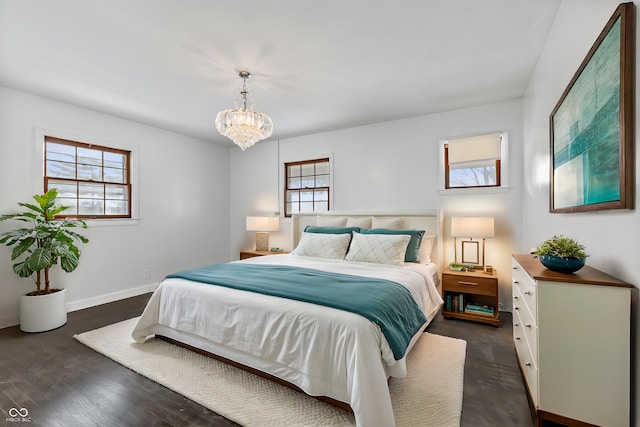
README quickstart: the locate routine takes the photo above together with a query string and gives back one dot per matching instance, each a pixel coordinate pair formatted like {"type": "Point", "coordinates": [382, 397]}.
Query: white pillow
{"type": "Point", "coordinates": [321, 245]}
{"type": "Point", "coordinates": [332, 221]}
{"type": "Point", "coordinates": [392, 223]}
{"type": "Point", "coordinates": [359, 222]}
{"type": "Point", "coordinates": [426, 246]}
{"type": "Point", "coordinates": [378, 248]}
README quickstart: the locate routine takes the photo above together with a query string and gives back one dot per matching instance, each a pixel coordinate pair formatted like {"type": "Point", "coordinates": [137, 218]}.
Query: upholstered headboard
{"type": "Point", "coordinates": [430, 221]}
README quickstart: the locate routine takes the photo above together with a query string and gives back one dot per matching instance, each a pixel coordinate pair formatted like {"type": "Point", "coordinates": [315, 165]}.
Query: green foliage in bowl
{"type": "Point", "coordinates": [563, 247]}
{"type": "Point", "coordinates": [454, 266]}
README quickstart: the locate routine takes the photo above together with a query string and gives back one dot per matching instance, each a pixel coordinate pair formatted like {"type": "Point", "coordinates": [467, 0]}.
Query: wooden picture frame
{"type": "Point", "coordinates": [592, 125]}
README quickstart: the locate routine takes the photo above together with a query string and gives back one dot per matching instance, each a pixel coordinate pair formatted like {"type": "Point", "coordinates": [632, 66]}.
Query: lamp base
{"type": "Point", "coordinates": [262, 241]}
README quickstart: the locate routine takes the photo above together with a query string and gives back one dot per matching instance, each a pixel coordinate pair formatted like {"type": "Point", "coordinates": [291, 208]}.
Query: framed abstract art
{"type": "Point", "coordinates": [592, 130]}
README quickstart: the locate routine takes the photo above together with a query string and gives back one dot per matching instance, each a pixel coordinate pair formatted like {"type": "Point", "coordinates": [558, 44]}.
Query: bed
{"type": "Point", "coordinates": [324, 348]}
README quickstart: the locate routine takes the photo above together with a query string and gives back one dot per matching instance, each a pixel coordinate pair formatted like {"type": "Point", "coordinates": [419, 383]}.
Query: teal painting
{"type": "Point", "coordinates": [586, 155]}
{"type": "Point", "coordinates": [586, 141]}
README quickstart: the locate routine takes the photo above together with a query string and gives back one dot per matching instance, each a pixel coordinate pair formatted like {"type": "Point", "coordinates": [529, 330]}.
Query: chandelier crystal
{"type": "Point", "coordinates": [244, 126]}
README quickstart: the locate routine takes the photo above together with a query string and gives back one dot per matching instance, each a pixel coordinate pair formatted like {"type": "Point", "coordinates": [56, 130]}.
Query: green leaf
{"type": "Point", "coordinates": [77, 236]}
{"type": "Point", "coordinates": [22, 247]}
{"type": "Point", "coordinates": [39, 259]}
{"type": "Point", "coordinates": [32, 207]}
{"type": "Point", "coordinates": [69, 262]}
{"type": "Point", "coordinates": [13, 236]}
{"type": "Point", "coordinates": [59, 248]}
{"type": "Point", "coordinates": [57, 210]}
{"type": "Point", "coordinates": [8, 216]}
{"type": "Point", "coordinates": [24, 217]}
{"type": "Point", "coordinates": [52, 194]}
{"type": "Point", "coordinates": [46, 202]}
{"type": "Point", "coordinates": [75, 250]}
{"type": "Point", "coordinates": [22, 270]}
{"type": "Point", "coordinates": [29, 216]}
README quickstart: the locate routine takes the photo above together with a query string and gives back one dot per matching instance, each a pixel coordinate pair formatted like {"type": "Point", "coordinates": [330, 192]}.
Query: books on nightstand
{"type": "Point", "coordinates": [479, 309]}
{"type": "Point", "coordinates": [454, 302]}
{"type": "Point", "coordinates": [457, 303]}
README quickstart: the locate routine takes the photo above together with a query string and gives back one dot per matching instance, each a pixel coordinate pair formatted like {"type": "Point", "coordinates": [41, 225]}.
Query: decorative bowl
{"type": "Point", "coordinates": [562, 265]}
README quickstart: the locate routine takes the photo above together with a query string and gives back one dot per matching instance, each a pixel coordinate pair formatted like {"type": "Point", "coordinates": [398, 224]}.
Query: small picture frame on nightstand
{"type": "Point", "coordinates": [471, 252]}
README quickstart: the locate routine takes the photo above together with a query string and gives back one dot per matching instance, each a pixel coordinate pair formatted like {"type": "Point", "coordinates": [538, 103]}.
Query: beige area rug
{"type": "Point", "coordinates": [430, 395]}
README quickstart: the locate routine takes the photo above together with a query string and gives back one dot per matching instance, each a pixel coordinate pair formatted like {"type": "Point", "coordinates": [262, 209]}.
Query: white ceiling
{"type": "Point", "coordinates": [316, 65]}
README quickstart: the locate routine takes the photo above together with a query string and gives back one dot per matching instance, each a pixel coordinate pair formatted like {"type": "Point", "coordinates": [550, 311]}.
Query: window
{"type": "Point", "coordinates": [93, 181]}
{"type": "Point", "coordinates": [307, 186]}
{"type": "Point", "coordinates": [473, 162]}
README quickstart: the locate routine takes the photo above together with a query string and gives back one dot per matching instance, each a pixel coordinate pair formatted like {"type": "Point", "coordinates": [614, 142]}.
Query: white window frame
{"type": "Point", "coordinates": [38, 177]}
{"type": "Point", "coordinates": [504, 167]}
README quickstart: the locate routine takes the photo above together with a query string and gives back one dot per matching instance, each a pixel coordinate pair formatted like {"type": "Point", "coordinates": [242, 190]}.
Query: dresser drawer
{"type": "Point", "coordinates": [526, 287]}
{"type": "Point", "coordinates": [523, 319]}
{"type": "Point", "coordinates": [527, 362]}
{"type": "Point", "coordinates": [475, 285]}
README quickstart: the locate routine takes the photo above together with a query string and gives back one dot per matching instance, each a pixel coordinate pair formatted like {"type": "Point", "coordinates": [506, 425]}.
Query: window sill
{"type": "Point", "coordinates": [464, 191]}
{"type": "Point", "coordinates": [111, 222]}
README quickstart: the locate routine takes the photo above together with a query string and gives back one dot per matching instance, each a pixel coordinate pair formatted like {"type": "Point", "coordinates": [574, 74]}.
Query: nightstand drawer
{"type": "Point", "coordinates": [467, 284]}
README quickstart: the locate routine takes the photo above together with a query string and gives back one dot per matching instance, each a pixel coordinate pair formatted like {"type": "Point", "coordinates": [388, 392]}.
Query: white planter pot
{"type": "Point", "coordinates": [43, 312]}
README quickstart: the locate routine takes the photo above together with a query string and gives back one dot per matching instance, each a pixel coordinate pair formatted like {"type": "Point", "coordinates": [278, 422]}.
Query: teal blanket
{"type": "Point", "coordinates": [384, 302]}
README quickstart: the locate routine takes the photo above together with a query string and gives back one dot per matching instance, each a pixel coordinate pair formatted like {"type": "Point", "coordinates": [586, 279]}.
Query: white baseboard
{"type": "Point", "coordinates": [13, 320]}
{"type": "Point", "coordinates": [115, 296]}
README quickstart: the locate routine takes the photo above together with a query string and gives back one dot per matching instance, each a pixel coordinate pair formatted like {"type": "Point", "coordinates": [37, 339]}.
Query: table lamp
{"type": "Point", "coordinates": [262, 225]}
{"type": "Point", "coordinates": [467, 227]}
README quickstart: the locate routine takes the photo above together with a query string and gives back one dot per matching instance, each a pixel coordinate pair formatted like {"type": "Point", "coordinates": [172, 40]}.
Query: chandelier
{"type": "Point", "coordinates": [244, 126]}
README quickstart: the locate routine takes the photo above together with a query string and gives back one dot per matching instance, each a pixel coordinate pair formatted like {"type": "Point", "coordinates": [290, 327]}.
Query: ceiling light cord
{"type": "Point", "coordinates": [245, 75]}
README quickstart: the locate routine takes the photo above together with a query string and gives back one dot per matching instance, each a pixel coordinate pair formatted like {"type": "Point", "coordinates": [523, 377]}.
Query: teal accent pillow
{"type": "Point", "coordinates": [330, 229]}
{"type": "Point", "coordinates": [413, 249]}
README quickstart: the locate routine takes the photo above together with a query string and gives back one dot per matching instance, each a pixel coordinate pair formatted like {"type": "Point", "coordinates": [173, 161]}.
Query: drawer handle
{"type": "Point", "coordinates": [528, 364]}
{"type": "Point", "coordinates": [467, 283]}
{"type": "Point", "coordinates": [527, 292]}
{"type": "Point", "coordinates": [515, 324]}
{"type": "Point", "coordinates": [515, 268]}
{"type": "Point", "coordinates": [518, 338]}
{"type": "Point", "coordinates": [515, 282]}
{"type": "Point", "coordinates": [515, 298]}
{"type": "Point", "coordinates": [528, 325]}
{"type": "Point", "coordinates": [516, 308]}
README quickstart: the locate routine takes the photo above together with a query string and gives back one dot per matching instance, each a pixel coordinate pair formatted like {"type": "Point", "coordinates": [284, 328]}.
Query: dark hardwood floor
{"type": "Point", "coordinates": [494, 392]}
{"type": "Point", "coordinates": [63, 383]}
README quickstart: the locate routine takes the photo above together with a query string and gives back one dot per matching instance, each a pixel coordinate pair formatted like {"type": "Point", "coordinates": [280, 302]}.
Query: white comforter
{"type": "Point", "coordinates": [324, 351]}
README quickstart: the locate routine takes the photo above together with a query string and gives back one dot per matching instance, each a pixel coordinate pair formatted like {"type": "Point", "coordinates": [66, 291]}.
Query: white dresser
{"type": "Point", "coordinates": [572, 334]}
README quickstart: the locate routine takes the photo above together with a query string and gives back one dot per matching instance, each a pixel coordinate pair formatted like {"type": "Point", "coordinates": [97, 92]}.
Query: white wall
{"type": "Point", "coordinates": [183, 205]}
{"type": "Point", "coordinates": [391, 166]}
{"type": "Point", "coordinates": [611, 237]}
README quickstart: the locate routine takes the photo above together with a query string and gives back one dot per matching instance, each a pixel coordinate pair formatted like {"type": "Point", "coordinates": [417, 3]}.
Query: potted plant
{"type": "Point", "coordinates": [38, 245]}
{"type": "Point", "coordinates": [562, 254]}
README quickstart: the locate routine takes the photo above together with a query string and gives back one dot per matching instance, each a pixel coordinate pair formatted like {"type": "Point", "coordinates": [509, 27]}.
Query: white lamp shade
{"type": "Point", "coordinates": [263, 223]}
{"type": "Point", "coordinates": [471, 227]}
